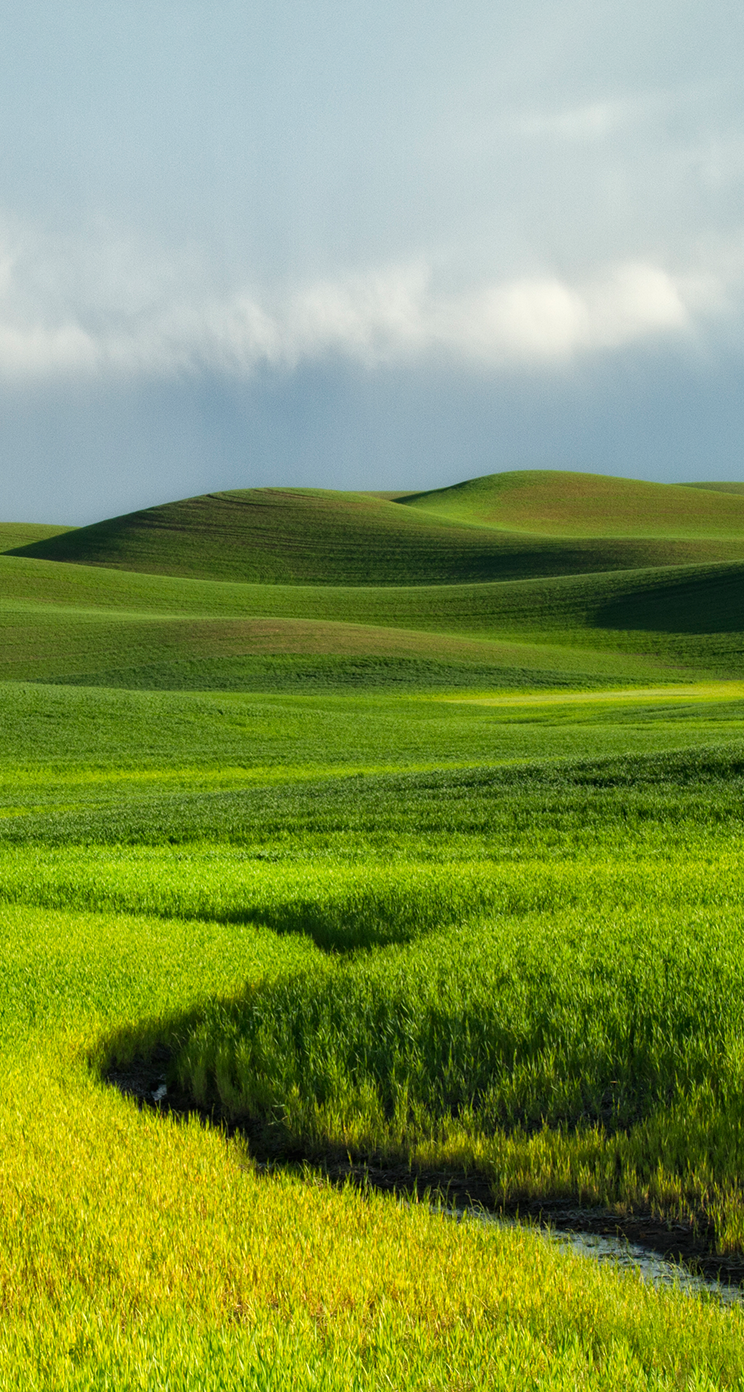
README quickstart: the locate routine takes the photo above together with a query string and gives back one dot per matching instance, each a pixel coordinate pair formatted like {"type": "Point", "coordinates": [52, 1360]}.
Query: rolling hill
{"type": "Point", "coordinates": [281, 589]}
{"type": "Point", "coordinates": [501, 527]}
{"type": "Point", "coordinates": [564, 504]}
{"type": "Point", "coordinates": [15, 534]}
{"type": "Point", "coordinates": [434, 883]}
{"type": "Point", "coordinates": [718, 487]}
{"type": "Point", "coordinates": [98, 626]}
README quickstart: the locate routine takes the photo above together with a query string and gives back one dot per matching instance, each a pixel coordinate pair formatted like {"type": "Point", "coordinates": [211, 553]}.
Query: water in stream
{"type": "Point", "coordinates": [623, 1254]}
{"type": "Point", "coordinates": [630, 1256]}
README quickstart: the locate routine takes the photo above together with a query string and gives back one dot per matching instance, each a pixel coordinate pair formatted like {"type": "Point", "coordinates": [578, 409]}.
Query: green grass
{"type": "Point", "coordinates": [100, 626]}
{"type": "Point", "coordinates": [319, 537]}
{"type": "Point", "coordinates": [105, 732]}
{"type": "Point", "coordinates": [553, 1002]}
{"type": "Point", "coordinates": [442, 876]}
{"type": "Point", "coordinates": [178, 651]}
{"type": "Point", "coordinates": [717, 487]}
{"type": "Point", "coordinates": [563, 1057]}
{"type": "Point", "coordinates": [563, 504]}
{"type": "Point", "coordinates": [15, 534]}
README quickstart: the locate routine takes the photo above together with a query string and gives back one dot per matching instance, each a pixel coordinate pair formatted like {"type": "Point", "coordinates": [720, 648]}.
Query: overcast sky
{"type": "Point", "coordinates": [365, 245]}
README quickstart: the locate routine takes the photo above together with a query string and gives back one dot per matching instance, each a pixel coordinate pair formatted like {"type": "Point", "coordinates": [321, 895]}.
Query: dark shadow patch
{"type": "Point", "coordinates": [711, 603]}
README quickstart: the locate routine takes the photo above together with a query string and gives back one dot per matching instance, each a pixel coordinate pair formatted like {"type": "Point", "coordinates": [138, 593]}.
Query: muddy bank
{"type": "Point", "coordinates": [593, 1230]}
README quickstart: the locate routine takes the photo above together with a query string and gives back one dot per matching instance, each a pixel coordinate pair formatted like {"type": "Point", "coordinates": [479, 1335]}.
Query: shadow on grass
{"type": "Point", "coordinates": [144, 1079]}
{"type": "Point", "coordinates": [710, 603]}
{"type": "Point", "coordinates": [142, 1062]}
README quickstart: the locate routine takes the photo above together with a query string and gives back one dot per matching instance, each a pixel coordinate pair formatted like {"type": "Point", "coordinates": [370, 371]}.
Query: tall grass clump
{"type": "Point", "coordinates": [618, 1041]}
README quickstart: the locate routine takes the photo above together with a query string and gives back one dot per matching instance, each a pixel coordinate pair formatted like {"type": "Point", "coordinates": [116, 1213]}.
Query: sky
{"type": "Point", "coordinates": [365, 245]}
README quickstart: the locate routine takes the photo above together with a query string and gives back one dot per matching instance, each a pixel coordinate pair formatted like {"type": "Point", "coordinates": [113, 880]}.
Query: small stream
{"type": "Point", "coordinates": [628, 1256]}
{"type": "Point", "coordinates": [650, 1267]}
{"type": "Point", "coordinates": [146, 1083]}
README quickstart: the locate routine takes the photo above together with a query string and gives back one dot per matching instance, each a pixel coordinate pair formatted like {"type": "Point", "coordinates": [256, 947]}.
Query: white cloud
{"type": "Point", "coordinates": [125, 319]}
{"type": "Point", "coordinates": [633, 300]}
{"type": "Point", "coordinates": [591, 121]}
{"type": "Point", "coordinates": [34, 351]}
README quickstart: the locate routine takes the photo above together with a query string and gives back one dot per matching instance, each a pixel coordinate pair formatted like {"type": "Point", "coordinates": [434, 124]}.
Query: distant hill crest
{"type": "Point", "coordinates": [513, 525]}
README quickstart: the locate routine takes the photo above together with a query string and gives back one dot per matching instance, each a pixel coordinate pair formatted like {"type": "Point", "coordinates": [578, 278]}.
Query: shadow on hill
{"type": "Point", "coordinates": [711, 603]}
{"type": "Point", "coordinates": [317, 537]}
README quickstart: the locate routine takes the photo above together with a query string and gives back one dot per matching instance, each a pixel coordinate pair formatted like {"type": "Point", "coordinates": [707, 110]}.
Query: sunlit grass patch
{"type": "Point", "coordinates": [564, 503]}
{"type": "Point", "coordinates": [530, 968]}
{"type": "Point", "coordinates": [347, 903]}
{"type": "Point", "coordinates": [565, 1057]}
{"type": "Point", "coordinates": [689, 693]}
{"type": "Point", "coordinates": [152, 1253]}
{"type": "Point", "coordinates": [495, 937]}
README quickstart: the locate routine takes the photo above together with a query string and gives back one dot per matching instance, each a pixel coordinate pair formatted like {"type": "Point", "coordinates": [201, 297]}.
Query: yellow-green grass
{"type": "Point", "coordinates": [142, 1253]}
{"type": "Point", "coordinates": [584, 1056]}
{"type": "Point", "coordinates": [198, 869]}
{"type": "Point", "coordinates": [691, 692]}
{"type": "Point", "coordinates": [139, 1252]}
{"type": "Point", "coordinates": [587, 981]}
{"type": "Point", "coordinates": [320, 537]}
{"type": "Point", "coordinates": [147, 1255]}
{"type": "Point", "coordinates": [559, 503]}
{"type": "Point", "coordinates": [345, 903]}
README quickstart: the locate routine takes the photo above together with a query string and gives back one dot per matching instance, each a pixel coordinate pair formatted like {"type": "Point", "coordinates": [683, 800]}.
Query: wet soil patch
{"type": "Point", "coordinates": [147, 1082]}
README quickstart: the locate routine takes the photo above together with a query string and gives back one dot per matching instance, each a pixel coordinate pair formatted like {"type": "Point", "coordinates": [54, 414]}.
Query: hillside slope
{"type": "Point", "coordinates": [100, 626]}
{"type": "Point", "coordinates": [314, 536]}
{"type": "Point", "coordinates": [563, 504]}
{"type": "Point", "coordinates": [718, 487]}
{"type": "Point", "coordinates": [15, 534]}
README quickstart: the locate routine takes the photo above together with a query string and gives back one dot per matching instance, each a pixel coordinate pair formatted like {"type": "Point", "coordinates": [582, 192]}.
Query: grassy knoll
{"type": "Point", "coordinates": [316, 536]}
{"type": "Point", "coordinates": [102, 626]}
{"type": "Point", "coordinates": [560, 503]}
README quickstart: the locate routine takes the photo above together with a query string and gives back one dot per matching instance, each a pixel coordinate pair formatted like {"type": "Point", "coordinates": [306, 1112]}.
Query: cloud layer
{"type": "Point", "coordinates": [390, 244]}
{"type": "Point", "coordinates": [137, 318]}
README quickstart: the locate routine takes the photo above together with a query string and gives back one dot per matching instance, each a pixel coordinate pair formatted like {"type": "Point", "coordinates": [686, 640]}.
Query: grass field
{"type": "Point", "coordinates": [502, 527]}
{"type": "Point", "coordinates": [15, 534]}
{"type": "Point", "coordinates": [62, 623]}
{"type": "Point", "coordinates": [441, 879]}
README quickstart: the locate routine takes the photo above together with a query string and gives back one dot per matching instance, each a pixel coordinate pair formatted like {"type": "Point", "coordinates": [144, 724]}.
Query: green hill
{"type": "Point", "coordinates": [564, 504]}
{"type": "Point", "coordinates": [15, 534]}
{"type": "Point", "coordinates": [323, 589]}
{"type": "Point", "coordinates": [316, 536]}
{"type": "Point", "coordinates": [100, 626]}
{"type": "Point", "coordinates": [718, 487]}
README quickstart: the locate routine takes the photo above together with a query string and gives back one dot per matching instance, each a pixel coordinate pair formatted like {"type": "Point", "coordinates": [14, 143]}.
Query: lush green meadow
{"type": "Point", "coordinates": [501, 527]}
{"type": "Point", "coordinates": [440, 879]}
